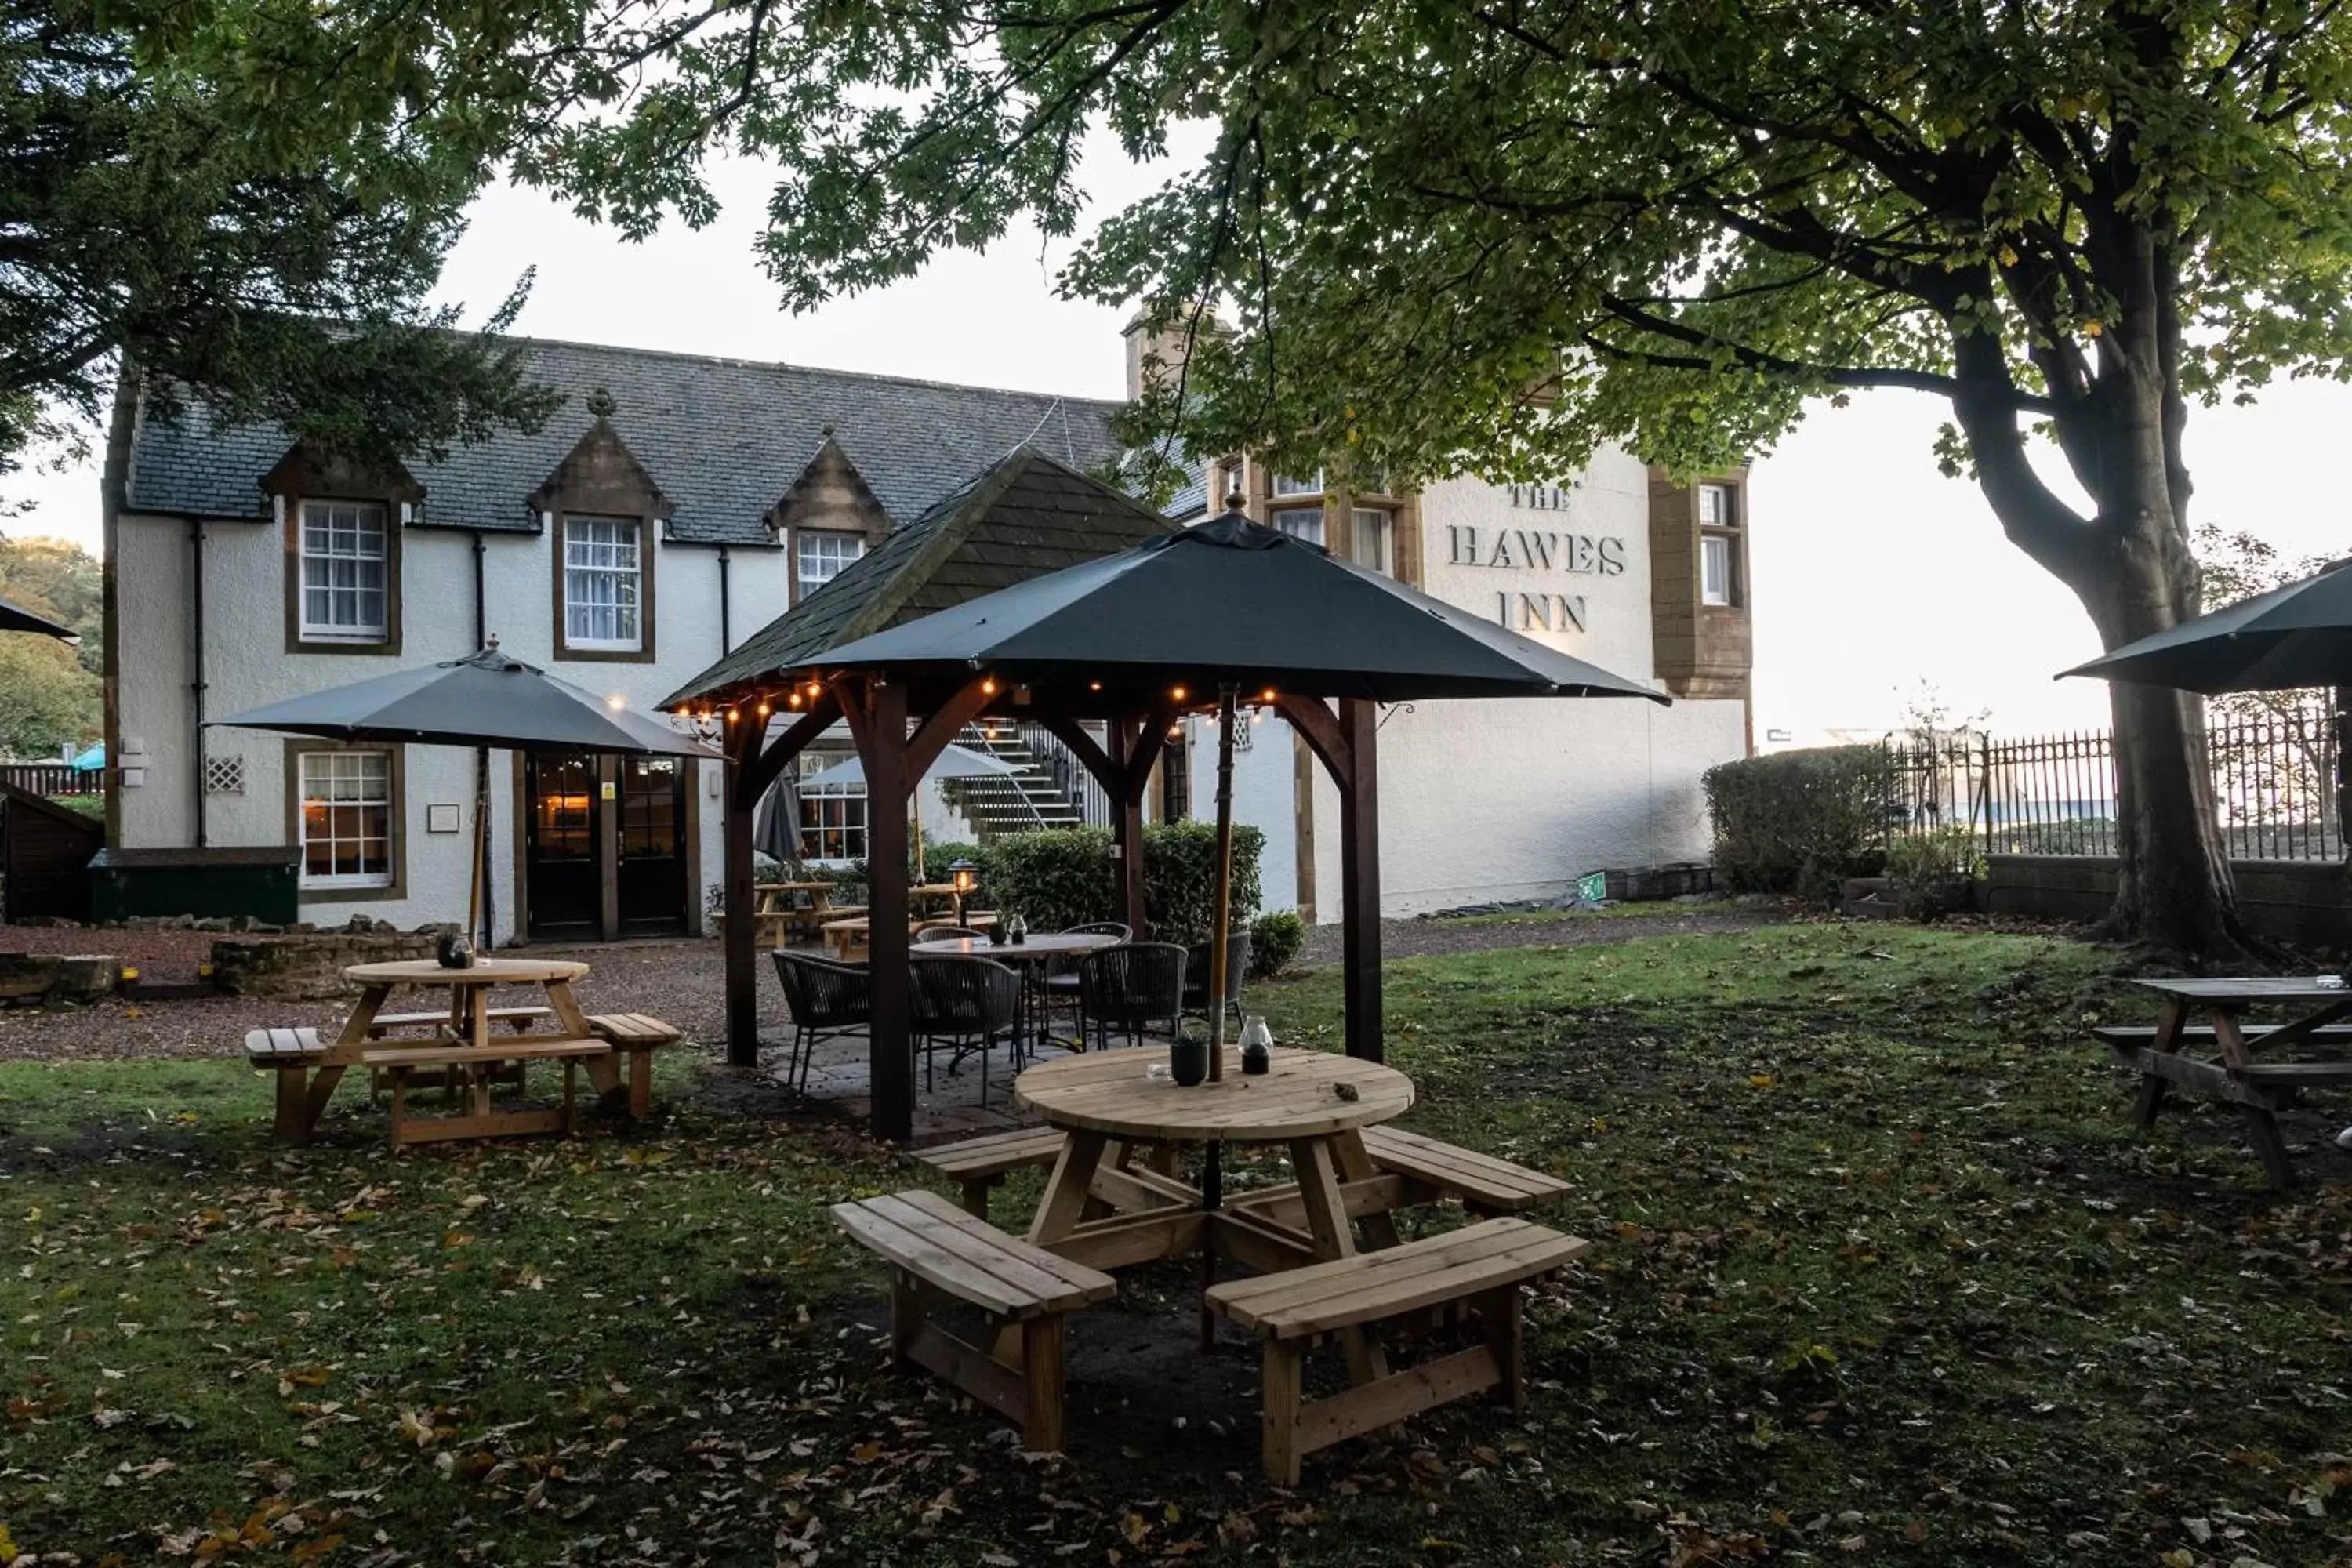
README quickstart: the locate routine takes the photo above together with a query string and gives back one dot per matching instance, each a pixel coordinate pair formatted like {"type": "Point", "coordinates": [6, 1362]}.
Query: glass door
{"type": "Point", "coordinates": [652, 870]}
{"type": "Point", "coordinates": [565, 892]}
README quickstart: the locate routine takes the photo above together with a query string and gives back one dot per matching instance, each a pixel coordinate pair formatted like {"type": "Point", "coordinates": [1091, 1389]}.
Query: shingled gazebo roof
{"type": "Point", "coordinates": [1026, 516]}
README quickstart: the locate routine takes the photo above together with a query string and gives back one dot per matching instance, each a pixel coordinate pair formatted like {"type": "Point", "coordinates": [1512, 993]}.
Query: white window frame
{"type": "Point", "coordinates": [608, 550]}
{"type": "Point", "coordinates": [834, 822]}
{"type": "Point", "coordinates": [1715, 568]}
{"type": "Point", "coordinates": [347, 783]}
{"type": "Point", "coordinates": [825, 538]}
{"type": "Point", "coordinates": [1718, 507]}
{"type": "Point", "coordinates": [1285, 486]}
{"type": "Point", "coordinates": [1302, 522]}
{"type": "Point", "coordinates": [352, 536]}
{"type": "Point", "coordinates": [1377, 524]}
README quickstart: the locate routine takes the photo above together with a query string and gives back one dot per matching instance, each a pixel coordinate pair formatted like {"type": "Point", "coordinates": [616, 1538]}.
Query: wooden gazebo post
{"type": "Point", "coordinates": [1346, 743]}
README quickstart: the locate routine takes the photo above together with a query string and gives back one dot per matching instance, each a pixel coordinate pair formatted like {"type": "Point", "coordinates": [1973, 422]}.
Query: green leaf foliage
{"type": "Point", "coordinates": [1799, 821]}
{"type": "Point", "coordinates": [250, 272]}
{"type": "Point", "coordinates": [1275, 938]}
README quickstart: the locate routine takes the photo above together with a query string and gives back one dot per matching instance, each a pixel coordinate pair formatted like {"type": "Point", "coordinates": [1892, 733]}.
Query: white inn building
{"type": "Point", "coordinates": [677, 505]}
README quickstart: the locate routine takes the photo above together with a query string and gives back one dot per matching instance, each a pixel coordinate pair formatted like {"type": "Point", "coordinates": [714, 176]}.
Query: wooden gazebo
{"type": "Point", "coordinates": [1126, 645]}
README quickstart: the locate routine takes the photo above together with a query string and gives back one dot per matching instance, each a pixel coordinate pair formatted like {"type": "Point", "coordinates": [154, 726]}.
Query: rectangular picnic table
{"type": "Point", "coordinates": [2259, 1088]}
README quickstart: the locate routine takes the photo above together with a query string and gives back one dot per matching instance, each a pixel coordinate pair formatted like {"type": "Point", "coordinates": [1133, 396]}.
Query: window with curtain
{"type": "Point", "coordinates": [824, 555]}
{"type": "Point", "coordinates": [1372, 543]}
{"type": "Point", "coordinates": [604, 583]}
{"type": "Point", "coordinates": [344, 560]}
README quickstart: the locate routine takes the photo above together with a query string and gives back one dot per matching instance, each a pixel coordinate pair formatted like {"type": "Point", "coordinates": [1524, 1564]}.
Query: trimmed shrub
{"type": "Point", "coordinates": [1275, 938]}
{"type": "Point", "coordinates": [1065, 877]}
{"type": "Point", "coordinates": [1179, 878]}
{"type": "Point", "coordinates": [1057, 878]}
{"type": "Point", "coordinates": [1799, 821]}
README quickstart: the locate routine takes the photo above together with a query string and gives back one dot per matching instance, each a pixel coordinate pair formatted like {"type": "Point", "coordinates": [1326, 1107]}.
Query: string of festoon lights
{"type": "Point", "coordinates": [796, 696]}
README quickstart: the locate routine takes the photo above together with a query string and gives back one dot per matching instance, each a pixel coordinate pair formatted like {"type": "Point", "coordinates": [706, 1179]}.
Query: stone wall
{"type": "Point", "coordinates": [37, 979]}
{"type": "Point", "coordinates": [308, 968]}
{"type": "Point", "coordinates": [2306, 902]}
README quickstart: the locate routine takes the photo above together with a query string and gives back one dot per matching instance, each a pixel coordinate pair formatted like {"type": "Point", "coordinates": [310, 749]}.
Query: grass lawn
{"type": "Point", "coordinates": [1883, 1276]}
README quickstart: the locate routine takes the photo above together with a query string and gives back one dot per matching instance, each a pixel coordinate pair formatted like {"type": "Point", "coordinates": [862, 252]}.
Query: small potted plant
{"type": "Point", "coordinates": [1187, 1055]}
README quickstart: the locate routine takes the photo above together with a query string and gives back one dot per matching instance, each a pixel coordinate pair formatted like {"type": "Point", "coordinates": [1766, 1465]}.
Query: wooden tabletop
{"type": "Point", "coordinates": [2223, 992]}
{"type": "Point", "coordinates": [1041, 944]}
{"type": "Point", "coordinates": [792, 887]}
{"type": "Point", "coordinates": [1110, 1092]}
{"type": "Point", "coordinates": [860, 922]}
{"type": "Point", "coordinates": [484, 972]}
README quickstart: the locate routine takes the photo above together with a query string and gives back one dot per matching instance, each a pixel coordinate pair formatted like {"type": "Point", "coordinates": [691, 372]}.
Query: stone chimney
{"type": "Point", "coordinates": [1156, 358]}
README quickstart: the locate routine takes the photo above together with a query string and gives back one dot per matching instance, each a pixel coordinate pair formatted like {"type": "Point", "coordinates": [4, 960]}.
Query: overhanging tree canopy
{"type": "Point", "coordinates": [1490, 235]}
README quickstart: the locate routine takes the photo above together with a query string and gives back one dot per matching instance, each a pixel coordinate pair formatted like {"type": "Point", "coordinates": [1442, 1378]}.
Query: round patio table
{"type": "Point", "coordinates": [1031, 957]}
{"type": "Point", "coordinates": [1112, 1097]}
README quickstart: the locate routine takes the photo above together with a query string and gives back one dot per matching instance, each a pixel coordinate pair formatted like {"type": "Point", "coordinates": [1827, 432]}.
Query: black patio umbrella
{"type": "Point", "coordinates": [1232, 611]}
{"type": "Point", "coordinates": [2297, 636]}
{"type": "Point", "coordinates": [17, 619]}
{"type": "Point", "coordinates": [486, 700]}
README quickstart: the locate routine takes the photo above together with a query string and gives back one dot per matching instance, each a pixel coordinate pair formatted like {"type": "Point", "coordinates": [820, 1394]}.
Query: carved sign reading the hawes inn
{"type": "Point", "coordinates": [1537, 550]}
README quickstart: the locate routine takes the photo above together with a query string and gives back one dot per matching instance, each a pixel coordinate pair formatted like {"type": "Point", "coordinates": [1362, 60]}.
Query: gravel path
{"type": "Point", "coordinates": [679, 981]}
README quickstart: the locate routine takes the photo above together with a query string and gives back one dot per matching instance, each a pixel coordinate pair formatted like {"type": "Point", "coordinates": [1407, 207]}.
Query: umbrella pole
{"type": "Point", "coordinates": [481, 845]}
{"type": "Point", "coordinates": [1220, 938]}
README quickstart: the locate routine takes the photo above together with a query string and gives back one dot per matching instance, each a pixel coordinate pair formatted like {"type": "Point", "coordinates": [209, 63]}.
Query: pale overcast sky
{"type": "Point", "coordinates": [1872, 572]}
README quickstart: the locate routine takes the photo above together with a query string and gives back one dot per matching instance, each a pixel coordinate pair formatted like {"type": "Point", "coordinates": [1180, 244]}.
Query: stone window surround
{"type": "Point", "coordinates": [398, 887]}
{"type": "Point", "coordinates": [648, 551]}
{"type": "Point", "coordinates": [1732, 534]}
{"type": "Point", "coordinates": [1256, 480]}
{"type": "Point", "coordinates": [802, 587]}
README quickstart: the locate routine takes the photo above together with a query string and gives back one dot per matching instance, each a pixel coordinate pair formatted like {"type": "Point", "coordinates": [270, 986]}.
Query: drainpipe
{"type": "Point", "coordinates": [726, 641]}
{"type": "Point", "coordinates": [197, 661]}
{"type": "Point", "coordinates": [489, 933]}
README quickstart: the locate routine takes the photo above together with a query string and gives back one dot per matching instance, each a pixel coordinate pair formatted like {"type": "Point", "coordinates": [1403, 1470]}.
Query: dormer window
{"type": "Point", "coordinates": [599, 511]}
{"type": "Point", "coordinates": [825, 554]}
{"type": "Point", "coordinates": [341, 524]}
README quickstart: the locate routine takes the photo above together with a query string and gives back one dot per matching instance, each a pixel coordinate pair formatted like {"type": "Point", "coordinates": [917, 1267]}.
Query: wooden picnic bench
{"type": "Point", "coordinates": [290, 1054]}
{"type": "Point", "coordinates": [1483, 1265]}
{"type": "Point", "coordinates": [935, 1250]}
{"type": "Point", "coordinates": [636, 1036]}
{"type": "Point", "coordinates": [1483, 1183]}
{"type": "Point", "coordinates": [478, 1118]}
{"type": "Point", "coordinates": [2260, 1089]}
{"type": "Point", "coordinates": [980, 1164]}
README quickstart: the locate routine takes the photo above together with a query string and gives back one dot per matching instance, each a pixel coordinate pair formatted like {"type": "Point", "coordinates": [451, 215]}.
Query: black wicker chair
{"type": "Point", "coordinates": [1061, 982]}
{"type": "Point", "coordinates": [1196, 977]}
{"type": "Point", "coordinates": [827, 1000]}
{"type": "Point", "coordinates": [965, 1005]}
{"type": "Point", "coordinates": [1128, 989]}
{"type": "Point", "coordinates": [931, 934]}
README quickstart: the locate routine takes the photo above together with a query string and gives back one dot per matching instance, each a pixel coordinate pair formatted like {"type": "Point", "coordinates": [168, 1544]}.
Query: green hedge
{"type": "Point", "coordinates": [1065, 877]}
{"type": "Point", "coordinates": [1799, 821]}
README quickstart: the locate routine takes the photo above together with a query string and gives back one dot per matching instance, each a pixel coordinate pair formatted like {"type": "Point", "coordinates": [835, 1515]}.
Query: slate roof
{"type": "Point", "coordinates": [1026, 515]}
{"type": "Point", "coordinates": [723, 438]}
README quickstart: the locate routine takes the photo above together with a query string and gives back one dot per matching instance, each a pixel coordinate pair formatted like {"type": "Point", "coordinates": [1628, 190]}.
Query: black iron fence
{"type": "Point", "coordinates": [2275, 780]}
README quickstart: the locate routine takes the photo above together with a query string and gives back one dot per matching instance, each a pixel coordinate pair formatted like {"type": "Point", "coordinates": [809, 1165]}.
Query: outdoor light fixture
{"type": "Point", "coordinates": [1178, 694]}
{"type": "Point", "coordinates": [965, 877]}
{"type": "Point", "coordinates": [730, 715]}
{"type": "Point", "coordinates": [988, 687]}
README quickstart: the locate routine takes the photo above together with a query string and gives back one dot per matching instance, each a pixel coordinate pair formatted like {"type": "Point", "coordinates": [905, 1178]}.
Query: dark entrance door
{"type": "Point", "coordinates": [565, 896]}
{"type": "Point", "coordinates": [652, 870]}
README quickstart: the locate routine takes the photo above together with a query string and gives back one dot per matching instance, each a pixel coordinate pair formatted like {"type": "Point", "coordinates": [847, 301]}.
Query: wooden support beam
{"type": "Point", "coordinates": [876, 711]}
{"type": "Point", "coordinates": [1126, 828]}
{"type": "Point", "coordinates": [1360, 881]}
{"type": "Point", "coordinates": [752, 782]}
{"type": "Point", "coordinates": [739, 943]}
{"type": "Point", "coordinates": [1320, 730]}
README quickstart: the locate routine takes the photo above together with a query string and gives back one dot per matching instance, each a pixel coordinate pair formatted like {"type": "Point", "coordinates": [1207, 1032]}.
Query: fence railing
{"type": "Point", "coordinates": [53, 778]}
{"type": "Point", "coordinates": [2275, 781]}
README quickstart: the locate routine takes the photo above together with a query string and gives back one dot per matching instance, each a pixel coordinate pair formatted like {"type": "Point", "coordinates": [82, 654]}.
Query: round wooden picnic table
{"type": "Point", "coordinates": [1105, 1100]}
{"type": "Point", "coordinates": [482, 972]}
{"type": "Point", "coordinates": [1113, 1093]}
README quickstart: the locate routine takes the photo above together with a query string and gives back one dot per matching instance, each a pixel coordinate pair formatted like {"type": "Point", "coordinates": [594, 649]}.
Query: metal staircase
{"type": "Point", "coordinates": [1046, 788]}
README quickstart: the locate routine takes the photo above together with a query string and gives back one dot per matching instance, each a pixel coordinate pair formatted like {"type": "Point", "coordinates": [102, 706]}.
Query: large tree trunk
{"type": "Point", "coordinates": [2131, 567]}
